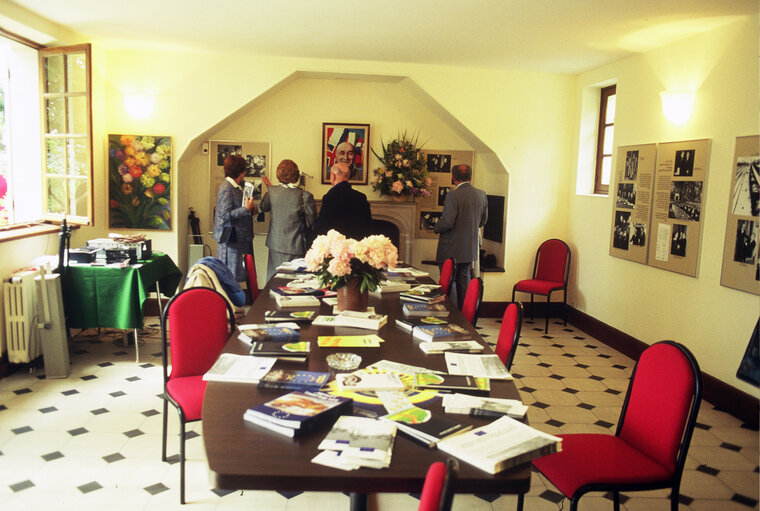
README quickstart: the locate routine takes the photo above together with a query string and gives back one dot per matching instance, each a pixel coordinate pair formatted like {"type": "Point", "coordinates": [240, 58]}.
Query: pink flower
{"type": "Point", "coordinates": [398, 186]}
{"type": "Point", "coordinates": [339, 268]}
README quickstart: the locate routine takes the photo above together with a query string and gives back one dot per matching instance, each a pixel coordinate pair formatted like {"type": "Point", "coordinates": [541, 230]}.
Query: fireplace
{"type": "Point", "coordinates": [402, 215]}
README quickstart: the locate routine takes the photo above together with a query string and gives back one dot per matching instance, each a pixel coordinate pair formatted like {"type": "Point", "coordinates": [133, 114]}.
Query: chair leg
{"type": "Point", "coordinates": [163, 430]}
{"type": "Point", "coordinates": [520, 500]}
{"type": "Point", "coordinates": [564, 306]}
{"type": "Point", "coordinates": [616, 500]}
{"type": "Point", "coordinates": [546, 325]}
{"type": "Point", "coordinates": [182, 462]}
{"type": "Point", "coordinates": [532, 309]}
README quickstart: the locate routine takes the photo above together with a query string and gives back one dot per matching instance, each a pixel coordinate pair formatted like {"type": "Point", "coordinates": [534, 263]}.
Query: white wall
{"type": "Point", "coordinates": [715, 322]}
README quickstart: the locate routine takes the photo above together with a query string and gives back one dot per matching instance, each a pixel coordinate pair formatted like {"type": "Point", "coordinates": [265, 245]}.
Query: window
{"type": "Point", "coordinates": [45, 133]}
{"type": "Point", "coordinates": [604, 140]}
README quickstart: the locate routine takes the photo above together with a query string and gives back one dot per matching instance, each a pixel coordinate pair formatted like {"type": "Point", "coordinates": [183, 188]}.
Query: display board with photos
{"type": "Point", "coordinates": [439, 165]}
{"type": "Point", "coordinates": [634, 181]}
{"type": "Point", "coordinates": [741, 264]}
{"type": "Point", "coordinates": [678, 201]}
{"type": "Point", "coordinates": [258, 156]}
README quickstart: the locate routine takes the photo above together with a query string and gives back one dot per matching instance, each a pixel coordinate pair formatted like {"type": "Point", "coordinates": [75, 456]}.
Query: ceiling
{"type": "Point", "coordinates": [562, 36]}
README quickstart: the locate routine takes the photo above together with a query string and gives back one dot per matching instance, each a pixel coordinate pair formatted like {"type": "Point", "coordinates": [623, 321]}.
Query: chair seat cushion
{"type": "Point", "coordinates": [539, 287]}
{"type": "Point", "coordinates": [599, 459]}
{"type": "Point", "coordinates": [188, 392]}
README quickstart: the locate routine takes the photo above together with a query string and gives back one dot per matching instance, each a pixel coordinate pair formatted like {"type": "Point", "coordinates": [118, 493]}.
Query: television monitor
{"type": "Point", "coordinates": [494, 228]}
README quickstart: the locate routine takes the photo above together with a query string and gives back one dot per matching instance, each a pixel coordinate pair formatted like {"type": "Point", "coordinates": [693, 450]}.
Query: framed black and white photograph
{"type": "Point", "coordinates": [257, 164]}
{"type": "Point", "coordinates": [631, 165]}
{"type": "Point", "coordinates": [626, 195]}
{"type": "Point", "coordinates": [745, 197]}
{"type": "Point", "coordinates": [745, 250]}
{"type": "Point", "coordinates": [442, 191]}
{"type": "Point", "coordinates": [346, 144]}
{"type": "Point", "coordinates": [429, 219]}
{"type": "Point", "coordinates": [223, 150]}
{"type": "Point", "coordinates": [639, 236]}
{"type": "Point", "coordinates": [438, 162]}
{"type": "Point", "coordinates": [678, 242]}
{"type": "Point", "coordinates": [685, 200]}
{"type": "Point", "coordinates": [622, 231]}
{"type": "Point", "coordinates": [684, 166]}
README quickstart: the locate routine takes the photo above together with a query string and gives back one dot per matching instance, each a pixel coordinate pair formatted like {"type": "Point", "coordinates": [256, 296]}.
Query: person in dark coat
{"type": "Point", "coordinates": [344, 209]}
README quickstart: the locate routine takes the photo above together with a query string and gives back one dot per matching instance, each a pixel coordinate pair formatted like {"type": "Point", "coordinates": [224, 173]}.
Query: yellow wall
{"type": "Point", "coordinates": [528, 120]}
{"type": "Point", "coordinates": [715, 322]}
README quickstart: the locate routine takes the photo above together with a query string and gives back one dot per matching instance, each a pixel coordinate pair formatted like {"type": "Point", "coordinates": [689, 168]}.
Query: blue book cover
{"type": "Point", "coordinates": [269, 333]}
{"type": "Point", "coordinates": [294, 379]}
{"type": "Point", "coordinates": [300, 410]}
{"type": "Point", "coordinates": [425, 309]}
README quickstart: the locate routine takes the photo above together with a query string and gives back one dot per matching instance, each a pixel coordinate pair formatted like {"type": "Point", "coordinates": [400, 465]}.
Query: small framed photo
{"type": "Point", "coordinates": [345, 143]}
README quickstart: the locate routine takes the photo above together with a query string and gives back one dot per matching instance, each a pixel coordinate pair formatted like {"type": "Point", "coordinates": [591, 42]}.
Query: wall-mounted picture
{"type": "Point", "coordinates": [626, 195]}
{"type": "Point", "coordinates": [224, 150]}
{"type": "Point", "coordinates": [745, 199]}
{"type": "Point", "coordinates": [639, 237]}
{"type": "Point", "coordinates": [139, 182]}
{"type": "Point", "coordinates": [346, 144]}
{"type": "Point", "coordinates": [678, 242]}
{"type": "Point", "coordinates": [685, 200]}
{"type": "Point", "coordinates": [439, 162]}
{"type": "Point", "coordinates": [257, 164]}
{"type": "Point", "coordinates": [631, 165]}
{"type": "Point", "coordinates": [442, 191]}
{"type": "Point", "coordinates": [684, 163]}
{"type": "Point", "coordinates": [622, 231]}
{"type": "Point", "coordinates": [428, 220]}
{"type": "Point", "coordinates": [745, 249]}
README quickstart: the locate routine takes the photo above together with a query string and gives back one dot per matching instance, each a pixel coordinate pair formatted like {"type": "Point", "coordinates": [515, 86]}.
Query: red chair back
{"type": "Point", "coordinates": [662, 403]}
{"type": "Point", "coordinates": [509, 334]}
{"type": "Point", "coordinates": [472, 300]}
{"type": "Point", "coordinates": [199, 323]}
{"type": "Point", "coordinates": [250, 271]}
{"type": "Point", "coordinates": [552, 261]}
{"type": "Point", "coordinates": [437, 492]}
{"type": "Point", "coordinates": [447, 275]}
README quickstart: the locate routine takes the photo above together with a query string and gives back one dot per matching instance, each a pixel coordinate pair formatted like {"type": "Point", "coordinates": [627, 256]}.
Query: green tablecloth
{"type": "Point", "coordinates": [99, 296]}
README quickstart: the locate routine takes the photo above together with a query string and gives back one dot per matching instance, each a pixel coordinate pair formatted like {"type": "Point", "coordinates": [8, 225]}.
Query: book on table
{"type": "Point", "coordinates": [300, 316]}
{"type": "Point", "coordinates": [293, 379]}
{"type": "Point", "coordinates": [452, 383]}
{"type": "Point", "coordinates": [502, 444]}
{"type": "Point", "coordinates": [360, 437]}
{"type": "Point", "coordinates": [447, 332]}
{"type": "Point", "coordinates": [486, 366]}
{"type": "Point", "coordinates": [366, 320]}
{"type": "Point", "coordinates": [413, 309]}
{"type": "Point", "coordinates": [298, 412]}
{"type": "Point", "coordinates": [483, 406]}
{"type": "Point", "coordinates": [349, 341]}
{"type": "Point", "coordinates": [392, 286]}
{"type": "Point", "coordinates": [285, 301]}
{"type": "Point", "coordinates": [239, 368]}
{"type": "Point", "coordinates": [410, 323]}
{"type": "Point", "coordinates": [466, 346]}
{"type": "Point", "coordinates": [258, 333]}
{"type": "Point", "coordinates": [362, 381]}
{"type": "Point", "coordinates": [424, 294]}
{"type": "Point", "coordinates": [295, 291]}
{"type": "Point", "coordinates": [402, 274]}
{"type": "Point", "coordinates": [287, 351]}
{"type": "Point", "coordinates": [424, 426]}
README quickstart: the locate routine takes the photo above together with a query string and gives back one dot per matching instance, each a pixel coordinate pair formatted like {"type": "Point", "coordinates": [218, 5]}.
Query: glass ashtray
{"type": "Point", "coordinates": [344, 361]}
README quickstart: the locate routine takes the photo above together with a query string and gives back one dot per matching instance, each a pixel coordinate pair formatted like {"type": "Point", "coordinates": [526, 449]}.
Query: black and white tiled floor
{"type": "Point", "coordinates": [93, 440]}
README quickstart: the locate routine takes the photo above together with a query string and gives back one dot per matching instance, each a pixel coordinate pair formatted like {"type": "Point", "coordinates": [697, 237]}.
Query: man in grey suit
{"type": "Point", "coordinates": [465, 211]}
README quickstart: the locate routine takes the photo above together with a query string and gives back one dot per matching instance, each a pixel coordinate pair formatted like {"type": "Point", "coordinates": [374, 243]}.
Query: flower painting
{"type": "Point", "coordinates": [139, 182]}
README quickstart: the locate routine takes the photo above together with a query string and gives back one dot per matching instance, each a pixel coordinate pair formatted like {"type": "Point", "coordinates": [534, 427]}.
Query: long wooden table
{"type": "Point", "coordinates": [245, 456]}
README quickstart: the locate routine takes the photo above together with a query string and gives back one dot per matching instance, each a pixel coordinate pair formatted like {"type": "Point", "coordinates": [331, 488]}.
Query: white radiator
{"type": "Point", "coordinates": [21, 333]}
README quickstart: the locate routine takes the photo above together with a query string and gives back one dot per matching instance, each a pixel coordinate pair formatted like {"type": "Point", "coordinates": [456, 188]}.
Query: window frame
{"type": "Point", "coordinates": [604, 95]}
{"type": "Point", "coordinates": [45, 53]}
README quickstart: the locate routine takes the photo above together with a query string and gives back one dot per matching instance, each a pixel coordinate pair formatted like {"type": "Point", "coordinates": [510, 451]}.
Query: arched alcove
{"type": "Point", "coordinates": [289, 116]}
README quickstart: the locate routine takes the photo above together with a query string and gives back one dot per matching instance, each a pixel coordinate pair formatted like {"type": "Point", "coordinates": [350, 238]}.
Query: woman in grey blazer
{"type": "Point", "coordinates": [285, 201]}
{"type": "Point", "coordinates": [233, 225]}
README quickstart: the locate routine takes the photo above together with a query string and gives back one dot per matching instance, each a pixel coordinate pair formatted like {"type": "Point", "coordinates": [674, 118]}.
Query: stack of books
{"type": "Point", "coordinates": [425, 309]}
{"type": "Point", "coordinates": [295, 291]}
{"type": "Point", "coordinates": [367, 320]}
{"type": "Point", "coordinates": [502, 444]}
{"type": "Point", "coordinates": [424, 426]}
{"type": "Point", "coordinates": [297, 413]}
{"type": "Point", "coordinates": [483, 406]}
{"type": "Point", "coordinates": [410, 323]}
{"type": "Point", "coordinates": [293, 379]}
{"type": "Point", "coordinates": [257, 333]}
{"type": "Point", "coordinates": [424, 294]}
{"type": "Point", "coordinates": [284, 301]}
{"type": "Point", "coordinates": [447, 332]}
{"type": "Point", "coordinates": [286, 316]}
{"type": "Point", "coordinates": [356, 442]}
{"type": "Point", "coordinates": [392, 286]}
{"type": "Point", "coordinates": [286, 351]}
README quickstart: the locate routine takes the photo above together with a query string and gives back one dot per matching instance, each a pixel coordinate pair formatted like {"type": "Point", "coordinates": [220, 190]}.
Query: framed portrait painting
{"type": "Point", "coordinates": [345, 143]}
{"type": "Point", "coordinates": [139, 182]}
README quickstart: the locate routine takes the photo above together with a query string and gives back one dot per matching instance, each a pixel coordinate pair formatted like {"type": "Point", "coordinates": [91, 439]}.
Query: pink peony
{"type": "Point", "coordinates": [398, 186]}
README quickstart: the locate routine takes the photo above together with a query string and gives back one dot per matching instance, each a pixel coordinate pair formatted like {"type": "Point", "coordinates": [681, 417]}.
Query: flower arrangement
{"type": "Point", "coordinates": [139, 181]}
{"type": "Point", "coordinates": [337, 260]}
{"type": "Point", "coordinates": [405, 171]}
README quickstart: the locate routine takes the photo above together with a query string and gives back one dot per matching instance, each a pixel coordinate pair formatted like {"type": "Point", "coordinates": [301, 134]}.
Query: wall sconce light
{"type": "Point", "coordinates": [677, 106]}
{"type": "Point", "coordinates": [139, 106]}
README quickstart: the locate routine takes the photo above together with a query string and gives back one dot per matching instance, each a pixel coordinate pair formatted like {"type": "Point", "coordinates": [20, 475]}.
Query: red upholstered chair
{"type": "Point", "coordinates": [472, 300]}
{"type": "Point", "coordinates": [648, 450]}
{"type": "Point", "coordinates": [252, 282]}
{"type": "Point", "coordinates": [509, 334]}
{"type": "Point", "coordinates": [438, 492]}
{"type": "Point", "coordinates": [550, 272]}
{"type": "Point", "coordinates": [447, 275]}
{"type": "Point", "coordinates": [197, 322]}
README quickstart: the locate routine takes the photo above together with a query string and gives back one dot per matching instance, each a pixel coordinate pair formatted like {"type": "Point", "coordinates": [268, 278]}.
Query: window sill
{"type": "Point", "coordinates": [27, 231]}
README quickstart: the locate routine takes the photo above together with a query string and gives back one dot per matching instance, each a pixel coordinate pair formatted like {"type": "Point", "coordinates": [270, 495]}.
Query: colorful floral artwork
{"type": "Point", "coordinates": [139, 182]}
